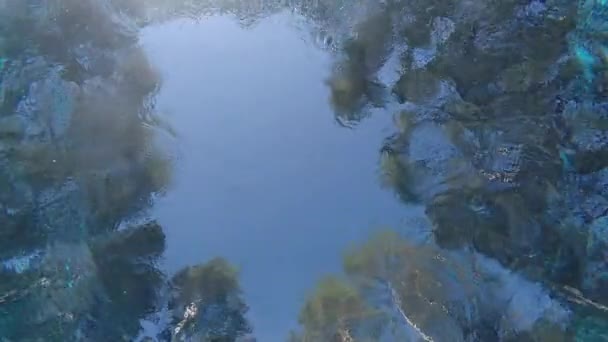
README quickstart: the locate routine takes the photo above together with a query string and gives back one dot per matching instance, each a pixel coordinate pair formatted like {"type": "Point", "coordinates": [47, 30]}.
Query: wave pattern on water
{"type": "Point", "coordinates": [500, 134]}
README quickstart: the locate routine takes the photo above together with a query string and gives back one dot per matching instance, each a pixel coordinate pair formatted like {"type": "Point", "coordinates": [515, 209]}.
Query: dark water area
{"type": "Point", "coordinates": [303, 170]}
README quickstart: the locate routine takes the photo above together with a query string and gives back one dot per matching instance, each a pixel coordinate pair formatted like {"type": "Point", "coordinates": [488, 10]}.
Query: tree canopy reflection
{"type": "Point", "coordinates": [500, 134]}
{"type": "Point", "coordinates": [397, 290]}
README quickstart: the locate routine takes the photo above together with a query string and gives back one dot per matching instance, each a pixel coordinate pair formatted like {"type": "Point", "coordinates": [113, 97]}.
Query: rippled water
{"type": "Point", "coordinates": [306, 171]}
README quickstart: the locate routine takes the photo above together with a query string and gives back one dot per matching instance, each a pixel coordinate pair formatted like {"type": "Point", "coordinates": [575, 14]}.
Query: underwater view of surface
{"type": "Point", "coordinates": [303, 170]}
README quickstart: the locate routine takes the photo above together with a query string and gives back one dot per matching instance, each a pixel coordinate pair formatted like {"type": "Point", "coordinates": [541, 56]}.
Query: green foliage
{"type": "Point", "coordinates": [348, 87]}
{"type": "Point", "coordinates": [417, 86]}
{"type": "Point", "coordinates": [129, 278]}
{"type": "Point", "coordinates": [208, 282]}
{"type": "Point", "coordinates": [377, 258]}
{"type": "Point", "coordinates": [332, 311]}
{"type": "Point", "coordinates": [208, 304]}
{"type": "Point", "coordinates": [420, 269]}
{"type": "Point", "coordinates": [353, 84]}
{"type": "Point", "coordinates": [397, 175]}
{"type": "Point", "coordinates": [333, 301]}
{"type": "Point", "coordinates": [433, 294]}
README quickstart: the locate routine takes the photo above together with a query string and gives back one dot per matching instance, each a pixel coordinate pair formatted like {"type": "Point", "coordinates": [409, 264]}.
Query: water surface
{"type": "Point", "coordinates": [147, 147]}
{"type": "Point", "coordinates": [266, 178]}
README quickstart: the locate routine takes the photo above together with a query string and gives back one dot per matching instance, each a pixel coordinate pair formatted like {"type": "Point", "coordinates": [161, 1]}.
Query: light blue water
{"type": "Point", "coordinates": [266, 178]}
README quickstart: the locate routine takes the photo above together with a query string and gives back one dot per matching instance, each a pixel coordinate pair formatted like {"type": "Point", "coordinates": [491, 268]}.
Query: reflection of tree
{"type": "Point", "coordinates": [333, 312]}
{"type": "Point", "coordinates": [417, 279]}
{"type": "Point", "coordinates": [386, 277]}
{"type": "Point", "coordinates": [80, 159]}
{"type": "Point", "coordinates": [403, 291]}
{"type": "Point", "coordinates": [207, 304]}
{"type": "Point", "coordinates": [396, 175]}
{"type": "Point", "coordinates": [114, 156]}
{"type": "Point", "coordinates": [353, 83]}
{"type": "Point", "coordinates": [131, 282]}
{"type": "Point", "coordinates": [348, 87]}
{"type": "Point", "coordinates": [100, 289]}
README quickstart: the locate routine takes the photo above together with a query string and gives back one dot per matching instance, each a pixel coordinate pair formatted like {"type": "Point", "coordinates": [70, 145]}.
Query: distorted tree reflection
{"type": "Point", "coordinates": [501, 134]}
{"type": "Point", "coordinates": [98, 290]}
{"type": "Point", "coordinates": [116, 159]}
{"type": "Point", "coordinates": [398, 290]}
{"type": "Point", "coordinates": [353, 83]}
{"type": "Point", "coordinates": [207, 304]}
{"type": "Point", "coordinates": [334, 312]}
{"type": "Point", "coordinates": [129, 279]}
{"type": "Point", "coordinates": [78, 158]}
{"type": "Point", "coordinates": [416, 280]}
